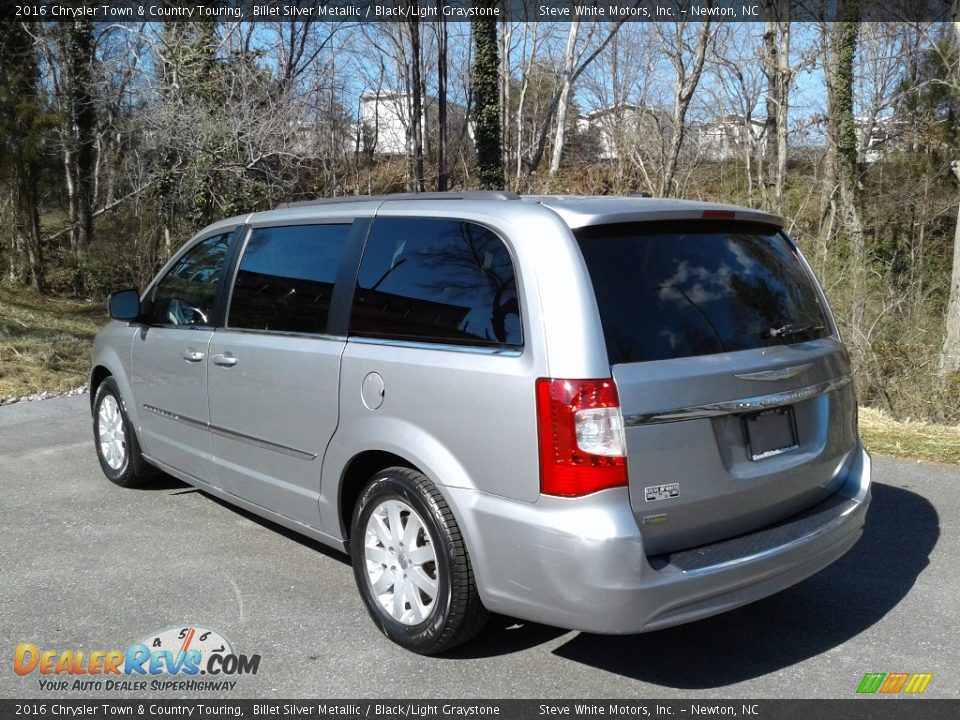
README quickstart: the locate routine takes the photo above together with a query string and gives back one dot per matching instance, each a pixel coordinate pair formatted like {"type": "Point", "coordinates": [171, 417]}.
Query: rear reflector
{"type": "Point", "coordinates": [580, 429]}
{"type": "Point", "coordinates": [719, 214]}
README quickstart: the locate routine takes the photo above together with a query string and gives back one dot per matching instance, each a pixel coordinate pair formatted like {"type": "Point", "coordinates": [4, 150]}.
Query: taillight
{"type": "Point", "coordinates": [582, 448]}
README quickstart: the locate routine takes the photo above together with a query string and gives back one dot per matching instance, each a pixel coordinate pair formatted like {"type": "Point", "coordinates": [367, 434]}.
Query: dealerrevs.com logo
{"type": "Point", "coordinates": [169, 659]}
{"type": "Point", "coordinates": [894, 683]}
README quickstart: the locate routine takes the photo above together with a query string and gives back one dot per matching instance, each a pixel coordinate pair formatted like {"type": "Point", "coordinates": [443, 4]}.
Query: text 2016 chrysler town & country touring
{"type": "Point", "coordinates": [606, 414]}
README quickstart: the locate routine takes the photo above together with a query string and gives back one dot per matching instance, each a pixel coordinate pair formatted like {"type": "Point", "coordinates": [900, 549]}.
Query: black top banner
{"type": "Point", "coordinates": [132, 11]}
{"type": "Point", "coordinates": [619, 709]}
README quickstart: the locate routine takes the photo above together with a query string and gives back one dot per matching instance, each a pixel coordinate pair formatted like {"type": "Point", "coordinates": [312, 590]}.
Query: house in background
{"type": "Point", "coordinates": [385, 127]}
{"type": "Point", "coordinates": [879, 137]}
{"type": "Point", "coordinates": [385, 122]}
{"type": "Point", "coordinates": [729, 137]}
{"type": "Point", "coordinates": [624, 130]}
{"type": "Point", "coordinates": [629, 130]}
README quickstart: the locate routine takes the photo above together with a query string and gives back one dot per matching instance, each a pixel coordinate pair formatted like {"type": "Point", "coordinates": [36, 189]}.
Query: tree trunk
{"type": "Point", "coordinates": [555, 102]}
{"type": "Point", "coordinates": [843, 53]}
{"type": "Point", "coordinates": [506, 36]}
{"type": "Point", "coordinates": [486, 92]}
{"type": "Point", "coordinates": [416, 88]}
{"type": "Point", "coordinates": [521, 100]}
{"type": "Point", "coordinates": [569, 58]}
{"type": "Point", "coordinates": [442, 104]}
{"type": "Point", "coordinates": [83, 118]}
{"type": "Point", "coordinates": [687, 83]}
{"type": "Point", "coordinates": [776, 39]}
{"type": "Point", "coordinates": [950, 355]}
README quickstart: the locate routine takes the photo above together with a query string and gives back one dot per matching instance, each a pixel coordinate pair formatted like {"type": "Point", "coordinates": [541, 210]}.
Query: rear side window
{"type": "Point", "coordinates": [672, 290]}
{"type": "Point", "coordinates": [286, 277]}
{"type": "Point", "coordinates": [436, 280]}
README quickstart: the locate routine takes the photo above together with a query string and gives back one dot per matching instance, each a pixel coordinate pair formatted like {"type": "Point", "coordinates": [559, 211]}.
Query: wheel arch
{"type": "Point", "coordinates": [97, 376]}
{"type": "Point", "coordinates": [356, 474]}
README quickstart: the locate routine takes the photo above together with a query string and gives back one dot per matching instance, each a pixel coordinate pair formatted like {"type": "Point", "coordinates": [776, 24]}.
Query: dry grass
{"type": "Point", "coordinates": [45, 342]}
{"type": "Point", "coordinates": [910, 439]}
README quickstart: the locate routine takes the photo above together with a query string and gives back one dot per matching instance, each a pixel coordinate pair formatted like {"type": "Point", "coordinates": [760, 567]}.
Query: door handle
{"type": "Point", "coordinates": [191, 355]}
{"type": "Point", "coordinates": [225, 359]}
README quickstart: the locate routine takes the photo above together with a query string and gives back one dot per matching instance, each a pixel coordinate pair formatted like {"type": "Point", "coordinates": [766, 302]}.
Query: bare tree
{"type": "Point", "coordinates": [841, 50]}
{"type": "Point", "coordinates": [686, 49]}
{"type": "Point", "coordinates": [566, 85]}
{"type": "Point", "coordinates": [950, 354]}
{"type": "Point", "coordinates": [582, 62]}
{"type": "Point", "coordinates": [417, 98]}
{"type": "Point", "coordinates": [776, 41]}
{"type": "Point", "coordinates": [737, 91]}
{"type": "Point", "coordinates": [441, 103]}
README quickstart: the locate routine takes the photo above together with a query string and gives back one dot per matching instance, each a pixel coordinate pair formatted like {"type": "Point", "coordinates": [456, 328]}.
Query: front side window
{"type": "Point", "coordinates": [436, 280]}
{"type": "Point", "coordinates": [286, 277]}
{"type": "Point", "coordinates": [678, 289]}
{"type": "Point", "coordinates": [185, 294]}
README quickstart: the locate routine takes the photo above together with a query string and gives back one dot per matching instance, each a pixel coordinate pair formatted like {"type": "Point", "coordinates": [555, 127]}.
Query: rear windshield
{"type": "Point", "coordinates": [672, 290]}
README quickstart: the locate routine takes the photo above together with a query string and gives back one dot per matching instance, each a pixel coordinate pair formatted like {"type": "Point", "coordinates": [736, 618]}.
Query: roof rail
{"type": "Point", "coordinates": [456, 195]}
{"type": "Point", "coordinates": [450, 195]}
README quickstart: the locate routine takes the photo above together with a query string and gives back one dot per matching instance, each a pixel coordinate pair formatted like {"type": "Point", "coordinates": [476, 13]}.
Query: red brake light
{"type": "Point", "coordinates": [580, 429]}
{"type": "Point", "coordinates": [719, 214]}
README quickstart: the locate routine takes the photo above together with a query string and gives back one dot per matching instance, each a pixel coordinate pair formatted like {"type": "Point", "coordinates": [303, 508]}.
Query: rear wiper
{"type": "Point", "coordinates": [791, 329]}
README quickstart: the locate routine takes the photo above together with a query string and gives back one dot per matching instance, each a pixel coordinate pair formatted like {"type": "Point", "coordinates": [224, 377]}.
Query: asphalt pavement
{"type": "Point", "coordinates": [86, 565]}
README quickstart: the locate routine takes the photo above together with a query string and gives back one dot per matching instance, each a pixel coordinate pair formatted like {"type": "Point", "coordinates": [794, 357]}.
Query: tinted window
{"type": "Point", "coordinates": [672, 290]}
{"type": "Point", "coordinates": [286, 277]}
{"type": "Point", "coordinates": [185, 295]}
{"type": "Point", "coordinates": [436, 280]}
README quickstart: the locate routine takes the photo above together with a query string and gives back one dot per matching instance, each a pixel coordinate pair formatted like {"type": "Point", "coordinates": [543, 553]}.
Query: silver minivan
{"type": "Point", "coordinates": [608, 414]}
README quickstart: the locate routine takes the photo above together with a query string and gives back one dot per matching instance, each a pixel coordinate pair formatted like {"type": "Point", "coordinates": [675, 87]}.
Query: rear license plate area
{"type": "Point", "coordinates": [769, 433]}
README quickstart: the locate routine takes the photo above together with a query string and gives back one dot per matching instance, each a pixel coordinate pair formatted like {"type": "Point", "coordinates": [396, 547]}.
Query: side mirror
{"type": "Point", "coordinates": [124, 305]}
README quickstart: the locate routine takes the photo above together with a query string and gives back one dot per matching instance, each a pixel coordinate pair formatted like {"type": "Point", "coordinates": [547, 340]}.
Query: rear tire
{"type": "Point", "coordinates": [411, 564]}
{"type": "Point", "coordinates": [117, 447]}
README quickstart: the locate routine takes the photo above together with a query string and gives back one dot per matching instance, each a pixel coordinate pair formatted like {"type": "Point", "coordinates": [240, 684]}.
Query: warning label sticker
{"type": "Point", "coordinates": [661, 492]}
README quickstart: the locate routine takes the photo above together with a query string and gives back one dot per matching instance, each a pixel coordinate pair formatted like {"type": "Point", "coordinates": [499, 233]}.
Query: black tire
{"type": "Point", "coordinates": [131, 470]}
{"type": "Point", "coordinates": [455, 614]}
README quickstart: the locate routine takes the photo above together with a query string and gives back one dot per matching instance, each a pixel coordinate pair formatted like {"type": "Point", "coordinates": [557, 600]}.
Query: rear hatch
{"type": "Point", "coordinates": [736, 394]}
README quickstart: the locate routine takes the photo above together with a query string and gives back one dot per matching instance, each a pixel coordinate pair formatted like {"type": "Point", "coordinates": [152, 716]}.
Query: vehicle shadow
{"type": "Point", "coordinates": [163, 481]}
{"type": "Point", "coordinates": [280, 529]}
{"type": "Point", "coordinates": [801, 622]}
{"type": "Point", "coordinates": [503, 635]}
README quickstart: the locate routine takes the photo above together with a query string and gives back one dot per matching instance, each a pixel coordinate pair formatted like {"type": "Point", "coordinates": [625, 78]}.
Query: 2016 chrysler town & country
{"type": "Point", "coordinates": [607, 414]}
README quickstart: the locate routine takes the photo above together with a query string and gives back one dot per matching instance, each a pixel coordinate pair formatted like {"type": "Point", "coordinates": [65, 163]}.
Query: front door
{"type": "Point", "coordinates": [169, 360]}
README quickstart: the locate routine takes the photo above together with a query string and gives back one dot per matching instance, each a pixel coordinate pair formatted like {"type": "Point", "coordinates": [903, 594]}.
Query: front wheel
{"type": "Point", "coordinates": [411, 564]}
{"type": "Point", "coordinates": [117, 446]}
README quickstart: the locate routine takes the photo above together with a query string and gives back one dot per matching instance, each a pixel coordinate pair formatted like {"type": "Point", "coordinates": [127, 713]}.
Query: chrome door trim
{"type": "Point", "coordinates": [730, 407]}
{"type": "Point", "coordinates": [233, 435]}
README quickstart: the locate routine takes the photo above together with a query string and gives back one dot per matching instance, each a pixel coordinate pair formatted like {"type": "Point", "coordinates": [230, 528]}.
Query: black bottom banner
{"type": "Point", "coordinates": [853, 709]}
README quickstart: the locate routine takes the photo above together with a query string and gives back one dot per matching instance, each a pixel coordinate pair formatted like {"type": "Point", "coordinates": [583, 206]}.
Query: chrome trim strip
{"type": "Point", "coordinates": [265, 444]}
{"type": "Point", "coordinates": [730, 407]}
{"type": "Point", "coordinates": [770, 375]}
{"type": "Point", "coordinates": [503, 352]}
{"type": "Point", "coordinates": [233, 435]}
{"type": "Point", "coordinates": [173, 416]}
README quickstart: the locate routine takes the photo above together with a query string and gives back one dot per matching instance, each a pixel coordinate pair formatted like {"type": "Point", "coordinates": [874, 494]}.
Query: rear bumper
{"type": "Point", "coordinates": [580, 564]}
